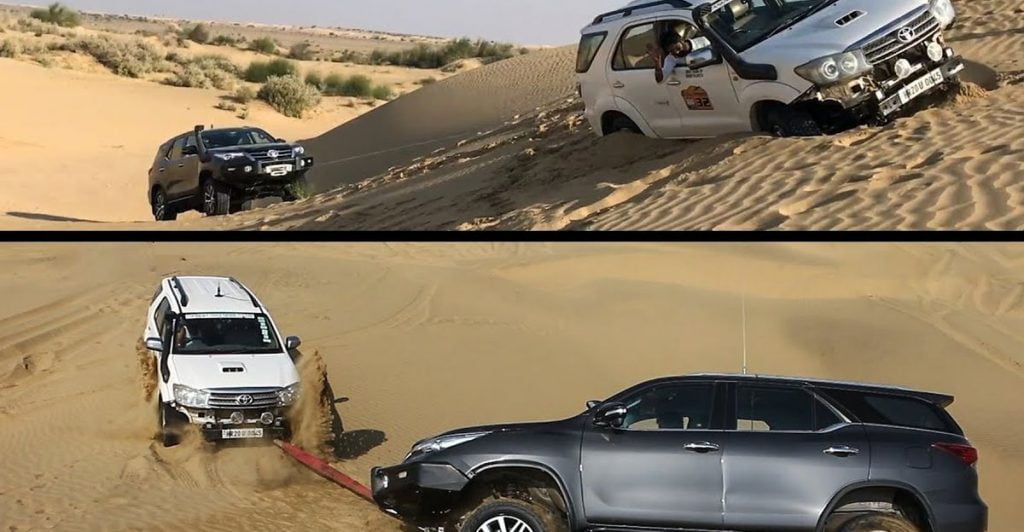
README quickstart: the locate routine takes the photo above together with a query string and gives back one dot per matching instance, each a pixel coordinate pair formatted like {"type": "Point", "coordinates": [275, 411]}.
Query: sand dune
{"type": "Point", "coordinates": [394, 322]}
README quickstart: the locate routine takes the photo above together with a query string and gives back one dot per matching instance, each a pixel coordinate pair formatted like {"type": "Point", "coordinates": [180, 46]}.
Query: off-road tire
{"type": "Point", "coordinates": [162, 211]}
{"type": "Point", "coordinates": [169, 424]}
{"type": "Point", "coordinates": [296, 190]}
{"type": "Point", "coordinates": [790, 122]}
{"type": "Point", "coordinates": [879, 522]}
{"type": "Point", "coordinates": [539, 517]}
{"type": "Point", "coordinates": [620, 122]}
{"type": "Point", "coordinates": [241, 206]}
{"type": "Point", "coordinates": [216, 198]}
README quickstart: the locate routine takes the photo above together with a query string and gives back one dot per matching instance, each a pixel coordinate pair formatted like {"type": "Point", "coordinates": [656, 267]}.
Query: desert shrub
{"type": "Point", "coordinates": [289, 95]}
{"type": "Point", "coordinates": [58, 14]}
{"type": "Point", "coordinates": [200, 33]}
{"type": "Point", "coordinates": [382, 92]}
{"type": "Point", "coordinates": [263, 45]}
{"type": "Point", "coordinates": [133, 58]}
{"type": "Point", "coordinates": [358, 85]}
{"type": "Point", "coordinates": [9, 48]}
{"type": "Point", "coordinates": [316, 80]}
{"type": "Point", "coordinates": [244, 94]}
{"type": "Point", "coordinates": [227, 40]}
{"type": "Point", "coordinates": [302, 51]}
{"type": "Point", "coordinates": [260, 71]}
{"type": "Point", "coordinates": [206, 71]}
{"type": "Point", "coordinates": [333, 84]}
{"type": "Point", "coordinates": [226, 106]}
{"type": "Point", "coordinates": [243, 113]}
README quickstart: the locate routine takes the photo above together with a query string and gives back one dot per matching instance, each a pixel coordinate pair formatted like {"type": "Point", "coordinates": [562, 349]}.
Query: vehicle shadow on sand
{"type": "Point", "coordinates": [348, 445]}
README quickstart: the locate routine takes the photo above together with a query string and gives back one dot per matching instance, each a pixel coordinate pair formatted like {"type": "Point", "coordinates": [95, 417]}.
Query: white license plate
{"type": "Point", "coordinates": [278, 170]}
{"type": "Point", "coordinates": [240, 434]}
{"type": "Point", "coordinates": [916, 88]}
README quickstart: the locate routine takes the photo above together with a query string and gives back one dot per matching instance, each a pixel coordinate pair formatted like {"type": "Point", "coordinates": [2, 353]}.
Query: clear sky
{"type": "Point", "coordinates": [520, 21]}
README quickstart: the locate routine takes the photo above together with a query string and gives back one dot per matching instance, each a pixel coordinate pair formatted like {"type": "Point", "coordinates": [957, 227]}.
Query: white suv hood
{"type": "Point", "coordinates": [819, 35]}
{"type": "Point", "coordinates": [204, 372]}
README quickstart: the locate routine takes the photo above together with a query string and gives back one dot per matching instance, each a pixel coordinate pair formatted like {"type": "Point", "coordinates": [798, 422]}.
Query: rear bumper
{"type": "Point", "coordinates": [961, 518]}
{"type": "Point", "coordinates": [422, 494]}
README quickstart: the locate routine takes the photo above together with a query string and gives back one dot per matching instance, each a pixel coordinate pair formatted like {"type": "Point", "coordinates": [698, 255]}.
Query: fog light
{"type": "Point", "coordinates": [935, 51]}
{"type": "Point", "coordinates": [384, 481]}
{"type": "Point", "coordinates": [302, 163]}
{"type": "Point", "coordinates": [266, 418]}
{"type": "Point", "coordinates": [949, 52]}
{"type": "Point", "coordinates": [248, 169]}
{"type": "Point", "coordinates": [236, 417]}
{"type": "Point", "coordinates": [903, 68]}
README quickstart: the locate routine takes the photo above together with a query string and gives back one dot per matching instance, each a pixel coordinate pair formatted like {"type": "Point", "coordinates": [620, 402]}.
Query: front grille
{"type": "Point", "coordinates": [924, 26]}
{"type": "Point", "coordinates": [227, 398]}
{"type": "Point", "coordinates": [263, 156]}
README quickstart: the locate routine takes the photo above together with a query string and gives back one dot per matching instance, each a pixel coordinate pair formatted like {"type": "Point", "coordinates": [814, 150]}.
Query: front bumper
{"type": "Point", "coordinates": [419, 493]}
{"type": "Point", "coordinates": [920, 83]}
{"type": "Point", "coordinates": [248, 173]}
{"type": "Point", "coordinates": [216, 424]}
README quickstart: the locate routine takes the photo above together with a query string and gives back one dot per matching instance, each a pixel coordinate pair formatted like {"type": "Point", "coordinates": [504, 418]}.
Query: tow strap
{"type": "Point", "coordinates": [325, 470]}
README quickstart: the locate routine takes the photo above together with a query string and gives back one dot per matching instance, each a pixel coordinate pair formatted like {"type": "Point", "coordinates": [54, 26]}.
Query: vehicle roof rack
{"type": "Point", "coordinates": [628, 10]}
{"type": "Point", "coordinates": [177, 284]}
{"type": "Point", "coordinates": [252, 298]}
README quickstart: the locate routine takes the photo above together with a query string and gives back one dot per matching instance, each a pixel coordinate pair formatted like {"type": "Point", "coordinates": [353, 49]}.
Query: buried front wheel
{"type": "Point", "coordinates": [506, 514]}
{"type": "Point", "coordinates": [216, 198]}
{"type": "Point", "coordinates": [170, 424]}
{"type": "Point", "coordinates": [879, 522]}
{"type": "Point", "coordinates": [790, 122]}
{"type": "Point", "coordinates": [297, 189]}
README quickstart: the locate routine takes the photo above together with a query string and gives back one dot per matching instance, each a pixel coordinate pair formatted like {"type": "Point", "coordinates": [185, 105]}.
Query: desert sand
{"type": "Point", "coordinates": [425, 338]}
{"type": "Point", "coordinates": [504, 147]}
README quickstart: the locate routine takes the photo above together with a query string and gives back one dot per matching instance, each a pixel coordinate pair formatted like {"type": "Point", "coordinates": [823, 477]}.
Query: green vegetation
{"type": "Point", "coordinates": [200, 33]}
{"type": "Point", "coordinates": [228, 40]}
{"type": "Point", "coordinates": [263, 45]}
{"type": "Point", "coordinates": [58, 14]}
{"type": "Point", "coordinates": [289, 95]}
{"type": "Point", "coordinates": [434, 57]}
{"type": "Point", "coordinates": [382, 92]}
{"type": "Point", "coordinates": [133, 58]}
{"type": "Point", "coordinates": [261, 71]}
{"type": "Point", "coordinates": [316, 80]}
{"type": "Point", "coordinates": [204, 72]}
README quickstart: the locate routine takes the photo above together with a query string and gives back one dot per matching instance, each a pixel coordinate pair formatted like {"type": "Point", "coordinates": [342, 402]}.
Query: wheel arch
{"type": "Point", "coordinates": [535, 469]}
{"type": "Point", "coordinates": [761, 93]}
{"type": "Point", "coordinates": [624, 107]}
{"type": "Point", "coordinates": [900, 488]}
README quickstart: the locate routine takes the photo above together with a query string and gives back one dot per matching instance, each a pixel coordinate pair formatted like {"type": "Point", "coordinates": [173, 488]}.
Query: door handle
{"type": "Point", "coordinates": [162, 169]}
{"type": "Point", "coordinates": [182, 165]}
{"type": "Point", "coordinates": [701, 447]}
{"type": "Point", "coordinates": [841, 451]}
{"type": "Point", "coordinates": [618, 85]}
{"type": "Point", "coordinates": [675, 83]}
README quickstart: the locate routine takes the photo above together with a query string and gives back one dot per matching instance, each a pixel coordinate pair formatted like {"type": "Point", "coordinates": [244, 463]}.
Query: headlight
{"type": "Point", "coordinates": [835, 68]}
{"type": "Point", "coordinates": [228, 156]}
{"type": "Point", "coordinates": [444, 442]}
{"type": "Point", "coordinates": [288, 396]}
{"type": "Point", "coordinates": [943, 11]}
{"type": "Point", "coordinates": [299, 150]}
{"type": "Point", "coordinates": [185, 396]}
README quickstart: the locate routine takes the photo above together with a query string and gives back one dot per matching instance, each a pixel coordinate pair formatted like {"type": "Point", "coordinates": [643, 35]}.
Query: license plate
{"type": "Point", "coordinates": [278, 170]}
{"type": "Point", "coordinates": [916, 88]}
{"type": "Point", "coordinates": [239, 434]}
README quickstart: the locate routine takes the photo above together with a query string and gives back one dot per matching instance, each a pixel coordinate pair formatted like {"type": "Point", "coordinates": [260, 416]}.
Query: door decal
{"type": "Point", "coordinates": [697, 99]}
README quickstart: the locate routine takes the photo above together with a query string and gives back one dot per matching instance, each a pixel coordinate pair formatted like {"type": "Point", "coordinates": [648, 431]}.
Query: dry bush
{"type": "Point", "coordinates": [289, 95]}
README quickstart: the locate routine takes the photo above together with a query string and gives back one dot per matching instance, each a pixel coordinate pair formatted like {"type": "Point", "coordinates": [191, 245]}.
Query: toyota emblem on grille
{"type": "Point", "coordinates": [273, 153]}
{"type": "Point", "coordinates": [906, 34]}
{"type": "Point", "coordinates": [244, 399]}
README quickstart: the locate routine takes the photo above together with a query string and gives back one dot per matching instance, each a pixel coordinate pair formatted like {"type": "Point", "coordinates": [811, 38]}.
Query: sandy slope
{"type": "Point", "coordinates": [426, 338]}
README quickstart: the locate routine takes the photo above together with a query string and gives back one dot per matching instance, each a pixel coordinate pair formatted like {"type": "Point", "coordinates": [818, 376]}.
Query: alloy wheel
{"type": "Point", "coordinates": [504, 523]}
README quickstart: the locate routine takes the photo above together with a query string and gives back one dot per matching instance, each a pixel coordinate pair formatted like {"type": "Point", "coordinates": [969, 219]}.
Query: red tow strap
{"type": "Point", "coordinates": [326, 470]}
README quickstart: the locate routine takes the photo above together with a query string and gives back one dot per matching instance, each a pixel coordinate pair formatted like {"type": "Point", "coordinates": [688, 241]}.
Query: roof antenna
{"type": "Point", "coordinates": [744, 321]}
{"type": "Point", "coordinates": [218, 291]}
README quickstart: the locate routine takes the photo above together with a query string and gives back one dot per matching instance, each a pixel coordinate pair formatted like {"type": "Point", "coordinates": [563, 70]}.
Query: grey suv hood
{"type": "Point", "coordinates": [252, 147]}
{"type": "Point", "coordinates": [819, 35]}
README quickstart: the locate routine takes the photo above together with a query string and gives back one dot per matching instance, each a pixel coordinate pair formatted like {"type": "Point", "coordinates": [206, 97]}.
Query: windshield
{"type": "Point", "coordinates": [744, 23]}
{"type": "Point", "coordinates": [206, 334]}
{"type": "Point", "coordinates": [224, 138]}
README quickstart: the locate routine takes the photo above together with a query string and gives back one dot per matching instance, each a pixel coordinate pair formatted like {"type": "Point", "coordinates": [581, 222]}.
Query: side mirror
{"type": "Point", "coordinates": [282, 141]}
{"type": "Point", "coordinates": [155, 344]}
{"type": "Point", "coordinates": [190, 150]}
{"type": "Point", "coordinates": [701, 58]}
{"type": "Point", "coordinates": [611, 415]}
{"type": "Point", "coordinates": [592, 403]}
{"type": "Point", "coordinates": [292, 342]}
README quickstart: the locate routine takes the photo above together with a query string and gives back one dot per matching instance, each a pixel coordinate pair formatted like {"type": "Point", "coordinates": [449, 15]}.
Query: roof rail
{"type": "Point", "coordinates": [628, 10]}
{"type": "Point", "coordinates": [252, 298]}
{"type": "Point", "coordinates": [177, 284]}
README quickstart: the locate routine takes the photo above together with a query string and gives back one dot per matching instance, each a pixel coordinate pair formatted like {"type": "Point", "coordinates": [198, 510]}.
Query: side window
{"type": "Point", "coordinates": [633, 50]}
{"type": "Point", "coordinates": [166, 149]}
{"type": "Point", "coordinates": [671, 407]}
{"type": "Point", "coordinates": [176, 148]}
{"type": "Point", "coordinates": [589, 45]}
{"type": "Point", "coordinates": [160, 316]}
{"type": "Point", "coordinates": [685, 29]}
{"type": "Point", "coordinates": [190, 140]}
{"type": "Point", "coordinates": [896, 410]}
{"type": "Point", "coordinates": [770, 408]}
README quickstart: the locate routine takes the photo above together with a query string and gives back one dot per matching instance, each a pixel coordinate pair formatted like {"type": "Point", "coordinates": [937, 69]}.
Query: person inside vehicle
{"type": "Point", "coordinates": [674, 51]}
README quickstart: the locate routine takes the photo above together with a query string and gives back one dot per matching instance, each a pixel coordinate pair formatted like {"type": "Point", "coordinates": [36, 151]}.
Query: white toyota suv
{"type": "Point", "coordinates": [788, 67]}
{"type": "Point", "coordinates": [220, 362]}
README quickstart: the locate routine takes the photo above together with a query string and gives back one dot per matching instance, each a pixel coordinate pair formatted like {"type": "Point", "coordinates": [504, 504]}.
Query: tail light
{"type": "Point", "coordinates": [967, 454]}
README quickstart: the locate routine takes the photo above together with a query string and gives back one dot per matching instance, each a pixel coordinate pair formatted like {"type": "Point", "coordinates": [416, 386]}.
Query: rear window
{"type": "Point", "coordinates": [902, 411]}
{"type": "Point", "coordinates": [589, 45]}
